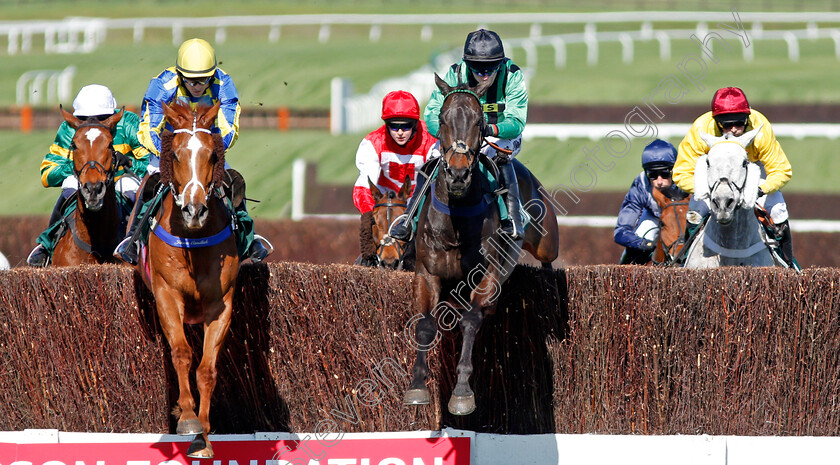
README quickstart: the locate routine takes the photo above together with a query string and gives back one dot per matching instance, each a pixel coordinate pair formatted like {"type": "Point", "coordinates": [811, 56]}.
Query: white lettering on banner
{"type": "Point", "coordinates": [144, 462]}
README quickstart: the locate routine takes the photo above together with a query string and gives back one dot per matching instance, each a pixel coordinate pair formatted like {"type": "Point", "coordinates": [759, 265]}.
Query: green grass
{"type": "Point", "coordinates": [265, 159]}
{"type": "Point", "coordinates": [297, 70]}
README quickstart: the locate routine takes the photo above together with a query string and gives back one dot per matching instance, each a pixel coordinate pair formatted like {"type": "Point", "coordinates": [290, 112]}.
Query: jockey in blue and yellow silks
{"type": "Point", "coordinates": [167, 87]}
{"type": "Point", "coordinates": [196, 80]}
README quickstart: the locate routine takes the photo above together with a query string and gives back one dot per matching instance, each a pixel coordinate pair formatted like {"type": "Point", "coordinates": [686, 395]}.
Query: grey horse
{"type": "Point", "coordinates": [728, 181]}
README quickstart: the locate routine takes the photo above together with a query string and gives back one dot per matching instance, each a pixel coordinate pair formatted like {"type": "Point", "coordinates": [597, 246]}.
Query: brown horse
{"type": "Point", "coordinates": [462, 256]}
{"type": "Point", "coordinates": [191, 261]}
{"type": "Point", "coordinates": [390, 253]}
{"type": "Point", "coordinates": [671, 227]}
{"type": "Point", "coordinates": [94, 229]}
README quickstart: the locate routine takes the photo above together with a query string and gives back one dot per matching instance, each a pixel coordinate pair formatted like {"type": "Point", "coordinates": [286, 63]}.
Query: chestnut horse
{"type": "Point", "coordinates": [671, 227]}
{"type": "Point", "coordinates": [462, 256]}
{"type": "Point", "coordinates": [94, 229]}
{"type": "Point", "coordinates": [191, 260]}
{"type": "Point", "coordinates": [389, 252]}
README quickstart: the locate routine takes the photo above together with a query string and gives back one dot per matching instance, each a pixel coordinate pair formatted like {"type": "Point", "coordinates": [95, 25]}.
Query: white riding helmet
{"type": "Point", "coordinates": [94, 100]}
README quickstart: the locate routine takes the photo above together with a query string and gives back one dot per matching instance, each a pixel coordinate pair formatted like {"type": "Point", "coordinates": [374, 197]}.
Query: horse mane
{"type": "Point", "coordinates": [366, 245]}
{"type": "Point", "coordinates": [167, 156]}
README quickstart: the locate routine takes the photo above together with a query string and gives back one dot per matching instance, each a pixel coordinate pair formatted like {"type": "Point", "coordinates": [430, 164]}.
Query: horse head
{"type": "Point", "coordinates": [192, 160]}
{"type": "Point", "coordinates": [461, 132]}
{"type": "Point", "coordinates": [726, 177]}
{"type": "Point", "coordinates": [386, 209]}
{"type": "Point", "coordinates": [94, 158]}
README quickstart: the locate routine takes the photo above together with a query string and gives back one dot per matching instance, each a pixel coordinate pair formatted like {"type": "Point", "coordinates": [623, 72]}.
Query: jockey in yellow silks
{"type": "Point", "coordinates": [197, 80]}
{"type": "Point", "coordinates": [731, 113]}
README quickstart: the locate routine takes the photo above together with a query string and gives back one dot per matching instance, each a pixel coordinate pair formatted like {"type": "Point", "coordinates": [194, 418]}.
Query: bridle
{"type": "Point", "coordinates": [387, 240]}
{"type": "Point", "coordinates": [93, 164]}
{"type": "Point", "coordinates": [668, 249]}
{"type": "Point", "coordinates": [732, 186]}
{"type": "Point", "coordinates": [458, 145]}
{"type": "Point", "coordinates": [209, 190]}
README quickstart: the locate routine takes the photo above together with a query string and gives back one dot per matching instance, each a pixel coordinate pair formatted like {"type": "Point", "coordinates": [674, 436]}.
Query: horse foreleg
{"type": "Point", "coordinates": [425, 338]}
{"type": "Point", "coordinates": [170, 307]}
{"type": "Point", "coordinates": [462, 401]}
{"type": "Point", "coordinates": [206, 374]}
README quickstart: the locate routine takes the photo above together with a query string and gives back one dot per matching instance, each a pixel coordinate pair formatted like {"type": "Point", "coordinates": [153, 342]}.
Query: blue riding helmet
{"type": "Point", "coordinates": [659, 153]}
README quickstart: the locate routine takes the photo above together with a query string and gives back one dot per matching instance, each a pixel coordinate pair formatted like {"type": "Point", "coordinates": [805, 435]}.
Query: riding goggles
{"type": "Point", "coordinates": [664, 173]}
{"type": "Point", "coordinates": [196, 82]}
{"type": "Point", "coordinates": [732, 124]}
{"type": "Point", "coordinates": [485, 70]}
{"type": "Point", "coordinates": [398, 126]}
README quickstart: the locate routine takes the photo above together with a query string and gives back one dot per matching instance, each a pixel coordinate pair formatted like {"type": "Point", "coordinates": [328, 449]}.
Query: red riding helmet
{"type": "Point", "coordinates": [730, 100]}
{"type": "Point", "coordinates": [400, 104]}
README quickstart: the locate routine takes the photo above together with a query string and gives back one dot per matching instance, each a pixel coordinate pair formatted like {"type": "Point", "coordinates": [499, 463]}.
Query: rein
{"type": "Point", "coordinates": [731, 185]}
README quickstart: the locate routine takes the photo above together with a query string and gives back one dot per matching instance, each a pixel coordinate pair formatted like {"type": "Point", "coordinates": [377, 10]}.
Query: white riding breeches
{"type": "Point", "coordinates": [648, 229]}
{"type": "Point", "coordinates": [514, 144]}
{"type": "Point", "coordinates": [126, 185]}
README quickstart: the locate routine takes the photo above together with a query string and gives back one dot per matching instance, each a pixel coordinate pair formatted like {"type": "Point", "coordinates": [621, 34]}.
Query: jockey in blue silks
{"type": "Point", "coordinates": [637, 227]}
{"type": "Point", "coordinates": [196, 80]}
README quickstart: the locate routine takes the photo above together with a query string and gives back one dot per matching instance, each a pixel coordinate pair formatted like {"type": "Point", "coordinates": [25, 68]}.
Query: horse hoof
{"type": "Point", "coordinates": [186, 427]}
{"type": "Point", "coordinates": [462, 405]}
{"type": "Point", "coordinates": [417, 397]}
{"type": "Point", "coordinates": [200, 449]}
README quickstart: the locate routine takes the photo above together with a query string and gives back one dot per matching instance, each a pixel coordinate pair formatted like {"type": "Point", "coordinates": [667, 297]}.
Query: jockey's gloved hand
{"type": "Point", "coordinates": [648, 246]}
{"type": "Point", "coordinates": [490, 130]}
{"type": "Point", "coordinates": [761, 193]}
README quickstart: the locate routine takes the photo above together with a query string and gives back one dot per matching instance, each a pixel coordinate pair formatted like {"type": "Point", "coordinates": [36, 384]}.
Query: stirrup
{"type": "Point", "coordinates": [399, 230]}
{"type": "Point", "coordinates": [39, 257]}
{"type": "Point", "coordinates": [258, 251]}
{"type": "Point", "coordinates": [126, 251]}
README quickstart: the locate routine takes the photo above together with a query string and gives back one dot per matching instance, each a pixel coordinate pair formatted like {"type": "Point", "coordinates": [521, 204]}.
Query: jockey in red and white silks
{"type": "Point", "coordinates": [397, 149]}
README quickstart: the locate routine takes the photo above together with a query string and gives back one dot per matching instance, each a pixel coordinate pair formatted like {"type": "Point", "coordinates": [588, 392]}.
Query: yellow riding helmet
{"type": "Point", "coordinates": [196, 58]}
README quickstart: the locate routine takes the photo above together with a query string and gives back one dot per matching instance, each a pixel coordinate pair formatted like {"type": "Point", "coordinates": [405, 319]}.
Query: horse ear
{"type": "Point", "coordinates": [209, 117]}
{"type": "Point", "coordinates": [482, 87]}
{"type": "Point", "coordinates": [374, 190]}
{"type": "Point", "coordinates": [442, 85]}
{"type": "Point", "coordinates": [701, 181]}
{"type": "Point", "coordinates": [747, 138]}
{"type": "Point", "coordinates": [751, 186]}
{"type": "Point", "coordinates": [112, 120]}
{"type": "Point", "coordinates": [169, 113]}
{"type": "Point", "coordinates": [70, 118]}
{"type": "Point", "coordinates": [406, 187]}
{"type": "Point", "coordinates": [709, 139]}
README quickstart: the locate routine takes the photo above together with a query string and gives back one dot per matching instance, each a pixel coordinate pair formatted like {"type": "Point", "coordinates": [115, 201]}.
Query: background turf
{"type": "Point", "coordinates": [297, 70]}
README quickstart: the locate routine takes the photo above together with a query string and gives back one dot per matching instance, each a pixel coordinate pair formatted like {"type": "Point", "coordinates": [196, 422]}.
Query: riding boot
{"type": "Point", "coordinates": [40, 256]}
{"type": "Point", "coordinates": [786, 245]}
{"type": "Point", "coordinates": [693, 223]}
{"type": "Point", "coordinates": [128, 250]}
{"type": "Point", "coordinates": [512, 227]}
{"type": "Point", "coordinates": [260, 247]}
{"type": "Point", "coordinates": [403, 227]}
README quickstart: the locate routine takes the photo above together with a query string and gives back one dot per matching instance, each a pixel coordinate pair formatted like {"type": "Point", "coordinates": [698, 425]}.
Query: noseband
{"type": "Point", "coordinates": [726, 181]}
{"type": "Point", "coordinates": [208, 191]}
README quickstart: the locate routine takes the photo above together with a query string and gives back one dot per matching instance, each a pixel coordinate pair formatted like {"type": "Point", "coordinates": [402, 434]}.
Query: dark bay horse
{"type": "Point", "coordinates": [191, 263]}
{"type": "Point", "coordinates": [94, 229]}
{"type": "Point", "coordinates": [389, 252]}
{"type": "Point", "coordinates": [671, 227]}
{"type": "Point", "coordinates": [462, 257]}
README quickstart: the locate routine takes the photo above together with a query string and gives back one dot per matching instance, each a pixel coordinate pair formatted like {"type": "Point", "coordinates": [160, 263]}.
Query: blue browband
{"type": "Point", "coordinates": [187, 243]}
